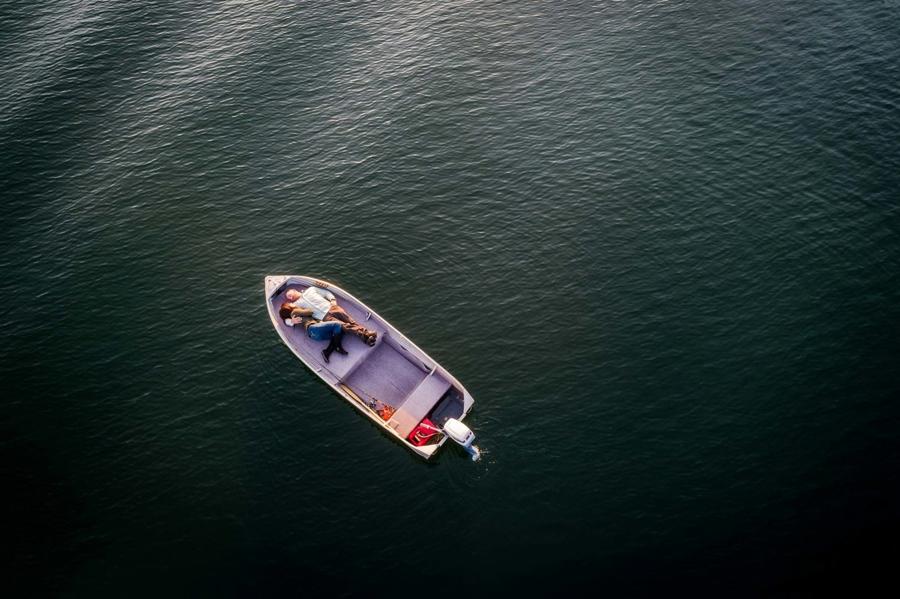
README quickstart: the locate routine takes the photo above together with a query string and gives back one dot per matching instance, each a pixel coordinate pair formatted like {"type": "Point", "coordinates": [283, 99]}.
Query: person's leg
{"type": "Point", "coordinates": [330, 331]}
{"type": "Point", "coordinates": [353, 329]}
{"type": "Point", "coordinates": [326, 353]}
{"type": "Point", "coordinates": [338, 313]}
{"type": "Point", "coordinates": [351, 326]}
{"type": "Point", "coordinates": [337, 335]}
{"type": "Point", "coordinates": [337, 339]}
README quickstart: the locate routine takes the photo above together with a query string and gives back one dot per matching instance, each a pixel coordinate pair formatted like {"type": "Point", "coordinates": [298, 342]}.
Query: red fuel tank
{"type": "Point", "coordinates": [424, 433]}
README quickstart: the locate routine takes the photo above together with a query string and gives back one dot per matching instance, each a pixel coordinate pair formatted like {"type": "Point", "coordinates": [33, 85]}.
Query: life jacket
{"type": "Point", "coordinates": [423, 433]}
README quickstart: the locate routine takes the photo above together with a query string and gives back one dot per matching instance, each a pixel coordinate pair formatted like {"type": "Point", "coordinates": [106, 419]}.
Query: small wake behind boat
{"type": "Point", "coordinates": [393, 382]}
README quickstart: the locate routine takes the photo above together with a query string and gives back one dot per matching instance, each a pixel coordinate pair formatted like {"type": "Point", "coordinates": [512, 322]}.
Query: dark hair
{"type": "Point", "coordinates": [285, 311]}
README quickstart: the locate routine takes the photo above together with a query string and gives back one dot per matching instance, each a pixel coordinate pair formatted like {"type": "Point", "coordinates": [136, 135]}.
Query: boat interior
{"type": "Point", "coordinates": [387, 374]}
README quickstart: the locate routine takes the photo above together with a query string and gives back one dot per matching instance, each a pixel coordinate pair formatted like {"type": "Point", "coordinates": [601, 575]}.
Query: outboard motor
{"type": "Point", "coordinates": [463, 435]}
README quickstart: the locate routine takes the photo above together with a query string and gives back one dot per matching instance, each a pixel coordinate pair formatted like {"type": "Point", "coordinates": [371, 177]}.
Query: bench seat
{"type": "Point", "coordinates": [418, 404]}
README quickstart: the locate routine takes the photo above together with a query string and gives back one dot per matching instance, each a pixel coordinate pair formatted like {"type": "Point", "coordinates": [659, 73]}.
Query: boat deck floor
{"type": "Point", "coordinates": [386, 372]}
{"type": "Point", "coordinates": [385, 375]}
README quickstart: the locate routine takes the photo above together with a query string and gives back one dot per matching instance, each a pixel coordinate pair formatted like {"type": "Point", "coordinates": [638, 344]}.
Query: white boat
{"type": "Point", "coordinates": [394, 383]}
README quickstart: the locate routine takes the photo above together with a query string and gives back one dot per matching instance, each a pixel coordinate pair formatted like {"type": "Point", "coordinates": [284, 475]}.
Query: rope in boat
{"type": "Point", "coordinates": [371, 404]}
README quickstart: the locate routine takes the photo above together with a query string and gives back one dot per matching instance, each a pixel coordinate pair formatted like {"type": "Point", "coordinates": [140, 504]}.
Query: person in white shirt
{"type": "Point", "coordinates": [319, 300]}
{"type": "Point", "coordinates": [324, 307]}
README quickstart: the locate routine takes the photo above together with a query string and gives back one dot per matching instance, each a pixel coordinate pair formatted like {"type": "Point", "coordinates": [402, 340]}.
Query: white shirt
{"type": "Point", "coordinates": [316, 299]}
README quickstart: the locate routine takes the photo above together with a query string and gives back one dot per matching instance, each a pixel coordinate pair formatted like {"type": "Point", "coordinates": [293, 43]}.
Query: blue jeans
{"type": "Point", "coordinates": [324, 331]}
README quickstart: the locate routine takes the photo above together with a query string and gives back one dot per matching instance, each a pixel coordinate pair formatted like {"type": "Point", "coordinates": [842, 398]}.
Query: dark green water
{"type": "Point", "coordinates": [658, 241]}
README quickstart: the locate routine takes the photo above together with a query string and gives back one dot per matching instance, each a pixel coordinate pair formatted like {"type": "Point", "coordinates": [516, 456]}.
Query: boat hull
{"type": "Point", "coordinates": [394, 373]}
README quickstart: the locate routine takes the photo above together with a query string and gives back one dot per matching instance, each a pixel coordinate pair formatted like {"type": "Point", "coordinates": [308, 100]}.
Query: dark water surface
{"type": "Point", "coordinates": [658, 241]}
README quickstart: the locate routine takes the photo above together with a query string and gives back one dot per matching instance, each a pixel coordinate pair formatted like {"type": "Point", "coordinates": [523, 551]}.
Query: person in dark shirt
{"type": "Point", "coordinates": [324, 306]}
{"type": "Point", "coordinates": [317, 330]}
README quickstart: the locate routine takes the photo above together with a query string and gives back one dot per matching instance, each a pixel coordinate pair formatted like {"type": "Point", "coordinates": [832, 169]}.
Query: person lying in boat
{"type": "Point", "coordinates": [324, 307]}
{"type": "Point", "coordinates": [317, 330]}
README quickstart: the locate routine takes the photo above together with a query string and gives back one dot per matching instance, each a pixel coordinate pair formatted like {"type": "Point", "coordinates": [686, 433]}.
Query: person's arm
{"type": "Point", "coordinates": [301, 316]}
{"type": "Point", "coordinates": [324, 294]}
